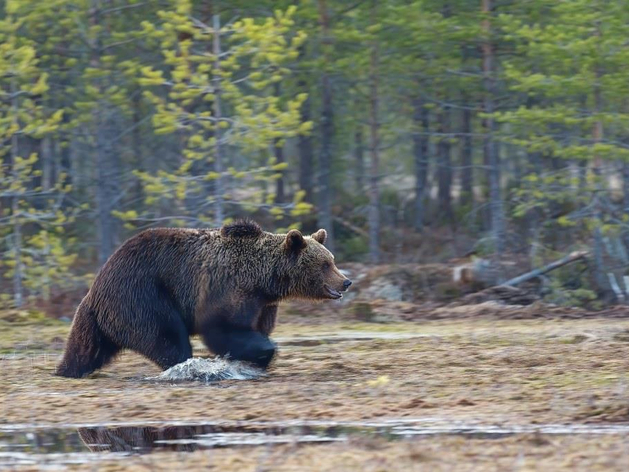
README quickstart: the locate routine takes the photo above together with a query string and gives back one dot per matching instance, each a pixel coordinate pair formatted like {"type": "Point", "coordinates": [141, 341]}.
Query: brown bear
{"type": "Point", "coordinates": [164, 285]}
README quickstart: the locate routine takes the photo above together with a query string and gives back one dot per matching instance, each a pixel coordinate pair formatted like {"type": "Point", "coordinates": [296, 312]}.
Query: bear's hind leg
{"type": "Point", "coordinates": [170, 347]}
{"type": "Point", "coordinates": [87, 348]}
{"type": "Point", "coordinates": [167, 354]}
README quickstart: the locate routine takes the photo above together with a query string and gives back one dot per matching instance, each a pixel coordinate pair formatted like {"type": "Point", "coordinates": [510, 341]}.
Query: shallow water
{"type": "Point", "coordinates": [217, 368]}
{"type": "Point", "coordinates": [209, 370]}
{"type": "Point", "coordinates": [347, 336]}
{"type": "Point", "coordinates": [87, 443]}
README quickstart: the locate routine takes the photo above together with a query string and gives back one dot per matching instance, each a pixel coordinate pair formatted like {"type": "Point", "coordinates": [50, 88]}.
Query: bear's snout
{"type": "Point", "coordinates": [346, 283]}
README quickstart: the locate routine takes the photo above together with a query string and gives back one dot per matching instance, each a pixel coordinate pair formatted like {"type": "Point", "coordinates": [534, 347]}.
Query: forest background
{"type": "Point", "coordinates": [413, 131]}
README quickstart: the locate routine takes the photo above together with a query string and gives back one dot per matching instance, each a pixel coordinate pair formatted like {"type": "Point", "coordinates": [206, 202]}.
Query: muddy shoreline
{"type": "Point", "coordinates": [496, 375]}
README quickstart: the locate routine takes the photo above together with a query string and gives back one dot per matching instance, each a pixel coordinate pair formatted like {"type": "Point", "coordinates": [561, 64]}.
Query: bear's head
{"type": "Point", "coordinates": [312, 272]}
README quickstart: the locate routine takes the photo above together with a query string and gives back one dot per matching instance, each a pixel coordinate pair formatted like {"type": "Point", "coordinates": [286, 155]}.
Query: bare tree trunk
{"type": "Point", "coordinates": [467, 169]}
{"type": "Point", "coordinates": [48, 167]}
{"type": "Point", "coordinates": [569, 259]}
{"type": "Point", "coordinates": [325, 159]}
{"type": "Point", "coordinates": [106, 171]}
{"type": "Point", "coordinates": [138, 155]}
{"type": "Point", "coordinates": [18, 269]}
{"type": "Point", "coordinates": [359, 158]}
{"type": "Point", "coordinates": [374, 173]}
{"type": "Point", "coordinates": [420, 153]}
{"type": "Point", "coordinates": [582, 164]}
{"type": "Point", "coordinates": [327, 135]}
{"type": "Point", "coordinates": [47, 182]}
{"type": "Point", "coordinates": [583, 169]}
{"type": "Point", "coordinates": [218, 156]}
{"type": "Point", "coordinates": [605, 289]}
{"type": "Point", "coordinates": [278, 150]}
{"type": "Point", "coordinates": [624, 236]}
{"type": "Point", "coordinates": [106, 182]}
{"type": "Point", "coordinates": [280, 196]}
{"type": "Point", "coordinates": [516, 164]}
{"type": "Point", "coordinates": [444, 169]}
{"type": "Point", "coordinates": [625, 187]}
{"type": "Point", "coordinates": [64, 152]}
{"type": "Point", "coordinates": [306, 155]}
{"type": "Point", "coordinates": [491, 155]}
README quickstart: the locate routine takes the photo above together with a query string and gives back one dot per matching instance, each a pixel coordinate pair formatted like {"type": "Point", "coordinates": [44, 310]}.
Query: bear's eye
{"type": "Point", "coordinates": [326, 265]}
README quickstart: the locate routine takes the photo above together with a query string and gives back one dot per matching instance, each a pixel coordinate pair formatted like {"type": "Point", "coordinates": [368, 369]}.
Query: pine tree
{"type": "Point", "coordinates": [216, 92]}
{"type": "Point", "coordinates": [33, 249]}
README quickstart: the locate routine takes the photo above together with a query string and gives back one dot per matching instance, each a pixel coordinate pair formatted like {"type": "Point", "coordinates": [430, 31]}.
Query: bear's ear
{"type": "Point", "coordinates": [320, 236]}
{"type": "Point", "coordinates": [295, 241]}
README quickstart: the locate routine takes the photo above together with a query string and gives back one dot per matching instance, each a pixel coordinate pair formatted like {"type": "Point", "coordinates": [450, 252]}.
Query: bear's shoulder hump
{"type": "Point", "coordinates": [241, 229]}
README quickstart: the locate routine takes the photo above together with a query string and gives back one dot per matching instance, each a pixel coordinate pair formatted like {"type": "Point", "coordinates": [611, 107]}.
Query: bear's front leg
{"type": "Point", "coordinates": [240, 344]}
{"type": "Point", "coordinates": [266, 320]}
{"type": "Point", "coordinates": [242, 334]}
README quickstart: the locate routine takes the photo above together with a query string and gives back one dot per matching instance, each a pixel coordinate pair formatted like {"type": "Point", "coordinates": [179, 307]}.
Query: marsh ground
{"type": "Point", "coordinates": [470, 371]}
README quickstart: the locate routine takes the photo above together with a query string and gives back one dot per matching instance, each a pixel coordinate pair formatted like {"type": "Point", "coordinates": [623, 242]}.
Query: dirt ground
{"type": "Point", "coordinates": [478, 371]}
{"type": "Point", "coordinates": [522, 453]}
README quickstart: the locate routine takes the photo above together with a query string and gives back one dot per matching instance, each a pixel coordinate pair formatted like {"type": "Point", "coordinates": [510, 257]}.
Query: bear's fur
{"type": "Point", "coordinates": [164, 285]}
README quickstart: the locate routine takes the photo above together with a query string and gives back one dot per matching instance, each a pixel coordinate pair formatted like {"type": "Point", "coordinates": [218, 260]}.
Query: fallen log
{"type": "Point", "coordinates": [351, 226]}
{"type": "Point", "coordinates": [569, 259]}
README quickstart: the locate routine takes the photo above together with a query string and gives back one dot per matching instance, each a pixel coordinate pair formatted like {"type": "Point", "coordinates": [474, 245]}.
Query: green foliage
{"type": "Point", "coordinates": [354, 247]}
{"type": "Point", "coordinates": [194, 137]}
{"type": "Point", "coordinates": [34, 254]}
{"type": "Point", "coordinates": [197, 83]}
{"type": "Point", "coordinates": [559, 294]}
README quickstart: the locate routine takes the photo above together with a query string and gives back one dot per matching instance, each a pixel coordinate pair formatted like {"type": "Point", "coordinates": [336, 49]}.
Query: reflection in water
{"type": "Point", "coordinates": [62, 446]}
{"type": "Point", "coordinates": [191, 438]}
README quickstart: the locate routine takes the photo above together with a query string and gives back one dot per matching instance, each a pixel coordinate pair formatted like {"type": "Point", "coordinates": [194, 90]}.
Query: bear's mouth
{"type": "Point", "coordinates": [333, 294]}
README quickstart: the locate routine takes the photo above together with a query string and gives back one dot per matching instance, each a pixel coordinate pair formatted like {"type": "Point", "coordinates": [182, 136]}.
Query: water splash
{"type": "Point", "coordinates": [209, 370]}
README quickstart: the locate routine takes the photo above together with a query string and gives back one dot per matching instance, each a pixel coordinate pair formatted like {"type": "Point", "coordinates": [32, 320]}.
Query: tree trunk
{"type": "Point", "coordinates": [420, 153]}
{"type": "Point", "coordinates": [278, 150]}
{"type": "Point", "coordinates": [138, 155]}
{"type": "Point", "coordinates": [106, 182]}
{"type": "Point", "coordinates": [444, 170]}
{"type": "Point", "coordinates": [47, 164]}
{"type": "Point", "coordinates": [218, 148]}
{"type": "Point", "coordinates": [466, 197]}
{"type": "Point", "coordinates": [304, 145]}
{"type": "Point", "coordinates": [517, 171]}
{"type": "Point", "coordinates": [569, 259]}
{"type": "Point", "coordinates": [604, 287]}
{"type": "Point", "coordinates": [106, 171]}
{"type": "Point", "coordinates": [18, 269]}
{"type": "Point", "coordinates": [467, 169]}
{"type": "Point", "coordinates": [280, 196]}
{"type": "Point", "coordinates": [625, 187]}
{"type": "Point", "coordinates": [497, 218]}
{"type": "Point", "coordinates": [306, 157]}
{"type": "Point", "coordinates": [325, 160]}
{"type": "Point", "coordinates": [327, 134]}
{"type": "Point", "coordinates": [64, 151]}
{"type": "Point", "coordinates": [625, 206]}
{"type": "Point", "coordinates": [359, 159]}
{"type": "Point", "coordinates": [374, 173]}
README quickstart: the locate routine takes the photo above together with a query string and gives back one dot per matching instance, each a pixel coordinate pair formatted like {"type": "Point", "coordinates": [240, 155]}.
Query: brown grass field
{"type": "Point", "coordinates": [482, 372]}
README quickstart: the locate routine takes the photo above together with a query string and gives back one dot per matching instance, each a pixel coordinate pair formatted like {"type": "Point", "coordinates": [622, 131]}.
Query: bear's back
{"type": "Point", "coordinates": [164, 259]}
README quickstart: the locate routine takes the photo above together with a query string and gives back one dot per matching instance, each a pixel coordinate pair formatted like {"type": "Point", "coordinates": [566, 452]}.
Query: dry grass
{"type": "Point", "coordinates": [490, 372]}
{"type": "Point", "coordinates": [447, 454]}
